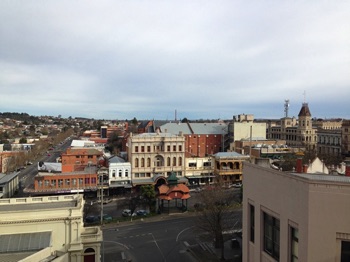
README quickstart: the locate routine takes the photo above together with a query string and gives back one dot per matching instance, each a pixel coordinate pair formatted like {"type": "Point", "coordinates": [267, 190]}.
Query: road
{"type": "Point", "coordinates": [26, 176]}
{"type": "Point", "coordinates": [164, 238]}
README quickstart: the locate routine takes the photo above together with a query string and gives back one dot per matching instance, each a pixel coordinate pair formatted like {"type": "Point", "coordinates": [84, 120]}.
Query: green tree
{"type": "Point", "coordinates": [149, 196]}
{"type": "Point", "coordinates": [23, 140]}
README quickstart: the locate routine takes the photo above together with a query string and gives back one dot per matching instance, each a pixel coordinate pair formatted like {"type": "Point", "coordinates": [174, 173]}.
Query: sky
{"type": "Point", "coordinates": [168, 60]}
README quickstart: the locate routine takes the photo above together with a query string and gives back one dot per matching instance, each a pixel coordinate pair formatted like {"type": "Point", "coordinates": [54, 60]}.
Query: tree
{"type": "Point", "coordinates": [149, 195]}
{"type": "Point", "coordinates": [23, 140]}
{"type": "Point", "coordinates": [215, 213]}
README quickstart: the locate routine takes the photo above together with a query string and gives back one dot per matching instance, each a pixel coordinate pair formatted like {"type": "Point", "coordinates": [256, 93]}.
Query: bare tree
{"type": "Point", "coordinates": [215, 213]}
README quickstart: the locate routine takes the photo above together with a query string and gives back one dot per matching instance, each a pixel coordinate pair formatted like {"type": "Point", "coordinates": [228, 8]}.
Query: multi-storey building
{"type": "Point", "coordinates": [76, 159]}
{"type": "Point", "coordinates": [201, 139]}
{"type": "Point", "coordinates": [119, 174]}
{"type": "Point", "coordinates": [296, 134]}
{"type": "Point", "coordinates": [329, 142]}
{"type": "Point", "coordinates": [243, 127]}
{"type": "Point", "coordinates": [154, 156]}
{"type": "Point", "coordinates": [8, 184]}
{"type": "Point", "coordinates": [295, 216]}
{"type": "Point", "coordinates": [199, 170]}
{"type": "Point", "coordinates": [346, 138]}
{"type": "Point", "coordinates": [68, 182]}
{"type": "Point", "coordinates": [47, 229]}
{"type": "Point", "coordinates": [228, 166]}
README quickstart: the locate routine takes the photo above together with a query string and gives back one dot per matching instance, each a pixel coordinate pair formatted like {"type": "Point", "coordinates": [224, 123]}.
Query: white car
{"type": "Point", "coordinates": [127, 213]}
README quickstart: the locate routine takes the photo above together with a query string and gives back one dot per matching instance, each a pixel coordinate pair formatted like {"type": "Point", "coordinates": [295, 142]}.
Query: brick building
{"type": "Point", "coordinates": [76, 159]}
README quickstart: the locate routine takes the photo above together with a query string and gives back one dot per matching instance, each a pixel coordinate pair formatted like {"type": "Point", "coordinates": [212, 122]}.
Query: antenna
{"type": "Point", "coordinates": [286, 106]}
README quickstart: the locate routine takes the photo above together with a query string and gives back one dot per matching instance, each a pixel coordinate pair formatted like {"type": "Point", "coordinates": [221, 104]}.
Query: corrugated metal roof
{"type": "Point", "coordinates": [176, 128]}
{"type": "Point", "coordinates": [24, 242]}
{"type": "Point", "coordinates": [116, 159]}
{"type": "Point", "coordinates": [195, 128]}
{"type": "Point", "coordinates": [230, 154]}
{"type": "Point", "coordinates": [5, 178]}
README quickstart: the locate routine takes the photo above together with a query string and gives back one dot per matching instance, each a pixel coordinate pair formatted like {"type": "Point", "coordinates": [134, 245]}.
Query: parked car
{"type": "Point", "coordinates": [141, 212]}
{"type": "Point", "coordinates": [106, 217]}
{"type": "Point", "coordinates": [127, 213]}
{"type": "Point", "coordinates": [91, 219]}
{"type": "Point", "coordinates": [237, 185]}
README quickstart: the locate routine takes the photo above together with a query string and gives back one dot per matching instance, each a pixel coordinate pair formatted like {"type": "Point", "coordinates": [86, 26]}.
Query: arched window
{"type": "Point", "coordinates": [148, 162]}
{"type": "Point", "coordinates": [168, 161]}
{"type": "Point", "coordinates": [174, 161]}
{"type": "Point", "coordinates": [180, 161]}
{"type": "Point", "coordinates": [142, 162]}
{"type": "Point", "coordinates": [136, 162]}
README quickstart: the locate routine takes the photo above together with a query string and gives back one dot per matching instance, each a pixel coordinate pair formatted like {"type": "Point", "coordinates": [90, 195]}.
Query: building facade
{"type": "Point", "coordinates": [119, 172]}
{"type": "Point", "coordinates": [76, 159]}
{"type": "Point", "coordinates": [199, 170]}
{"type": "Point", "coordinates": [154, 156]}
{"type": "Point", "coordinates": [228, 166]}
{"type": "Point", "coordinates": [295, 216]}
{"type": "Point", "coordinates": [47, 229]}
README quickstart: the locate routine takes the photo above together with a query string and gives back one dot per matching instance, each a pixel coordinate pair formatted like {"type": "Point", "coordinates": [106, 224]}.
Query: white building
{"type": "Point", "coordinates": [47, 229]}
{"type": "Point", "coordinates": [119, 172]}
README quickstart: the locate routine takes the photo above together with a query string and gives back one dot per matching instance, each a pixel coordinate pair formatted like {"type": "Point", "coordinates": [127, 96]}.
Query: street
{"type": "Point", "coordinates": [165, 238]}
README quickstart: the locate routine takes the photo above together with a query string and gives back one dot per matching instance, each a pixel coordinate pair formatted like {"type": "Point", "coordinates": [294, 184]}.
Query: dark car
{"type": "Point", "coordinates": [91, 219]}
{"type": "Point", "coordinates": [141, 212]}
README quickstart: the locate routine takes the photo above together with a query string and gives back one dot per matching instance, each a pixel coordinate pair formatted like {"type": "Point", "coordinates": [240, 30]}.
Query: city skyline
{"type": "Point", "coordinates": [200, 59]}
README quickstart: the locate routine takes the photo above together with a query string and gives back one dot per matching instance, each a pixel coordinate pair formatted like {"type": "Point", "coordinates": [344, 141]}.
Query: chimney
{"type": "Point", "coordinates": [347, 167]}
{"type": "Point", "coordinates": [299, 167]}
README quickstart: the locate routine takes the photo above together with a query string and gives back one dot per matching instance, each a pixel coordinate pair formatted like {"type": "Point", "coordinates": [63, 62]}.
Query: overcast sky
{"type": "Point", "coordinates": [121, 59]}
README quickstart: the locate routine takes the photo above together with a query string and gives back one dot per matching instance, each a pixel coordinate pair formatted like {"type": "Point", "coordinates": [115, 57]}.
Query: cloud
{"type": "Point", "coordinates": [205, 59]}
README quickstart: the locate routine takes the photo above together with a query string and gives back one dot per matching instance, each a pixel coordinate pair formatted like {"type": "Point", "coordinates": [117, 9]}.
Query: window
{"type": "Point", "coordinates": [74, 181]}
{"type": "Point", "coordinates": [180, 148]}
{"type": "Point", "coordinates": [142, 162]}
{"type": "Point", "coordinates": [180, 161]}
{"type": "Point", "coordinates": [174, 161]}
{"type": "Point", "coordinates": [174, 148]}
{"type": "Point", "coordinates": [67, 181]}
{"type": "Point", "coordinates": [87, 180]}
{"type": "Point", "coordinates": [345, 251]}
{"type": "Point", "coordinates": [207, 164]}
{"type": "Point", "coordinates": [252, 222]}
{"type": "Point", "coordinates": [46, 183]}
{"type": "Point", "coordinates": [136, 162]}
{"type": "Point", "coordinates": [148, 162]}
{"type": "Point", "coordinates": [192, 164]}
{"type": "Point", "coordinates": [168, 148]}
{"type": "Point", "coordinates": [113, 173]}
{"type": "Point", "coordinates": [126, 173]}
{"type": "Point", "coordinates": [272, 236]}
{"type": "Point", "coordinates": [142, 149]}
{"type": "Point", "coordinates": [148, 148]}
{"type": "Point", "coordinates": [80, 181]}
{"type": "Point", "coordinates": [60, 182]}
{"type": "Point", "coordinates": [136, 149]}
{"type": "Point", "coordinates": [294, 244]}
{"type": "Point", "coordinates": [120, 173]}
{"type": "Point", "coordinates": [168, 161]}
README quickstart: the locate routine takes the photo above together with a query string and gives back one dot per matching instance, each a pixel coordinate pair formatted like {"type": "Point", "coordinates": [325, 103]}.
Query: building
{"type": "Point", "coordinates": [199, 170]}
{"type": "Point", "coordinates": [329, 142]}
{"type": "Point", "coordinates": [154, 156]}
{"type": "Point", "coordinates": [76, 159]}
{"type": "Point", "coordinates": [228, 166]}
{"type": "Point", "coordinates": [8, 184]}
{"type": "Point", "coordinates": [243, 127]}
{"type": "Point", "coordinates": [47, 229]}
{"type": "Point", "coordinates": [295, 216]}
{"type": "Point", "coordinates": [296, 134]}
{"type": "Point", "coordinates": [345, 133]}
{"type": "Point", "coordinates": [119, 174]}
{"type": "Point", "coordinates": [201, 139]}
{"type": "Point", "coordinates": [63, 183]}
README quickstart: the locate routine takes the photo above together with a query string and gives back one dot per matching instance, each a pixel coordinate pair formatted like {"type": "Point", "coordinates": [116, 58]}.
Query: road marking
{"type": "Point", "coordinates": [178, 235]}
{"type": "Point", "coordinates": [121, 244]}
